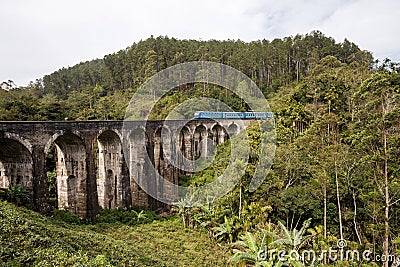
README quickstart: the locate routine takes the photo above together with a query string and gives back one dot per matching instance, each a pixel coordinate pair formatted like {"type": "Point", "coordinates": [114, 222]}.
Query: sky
{"type": "Point", "coordinates": [39, 37]}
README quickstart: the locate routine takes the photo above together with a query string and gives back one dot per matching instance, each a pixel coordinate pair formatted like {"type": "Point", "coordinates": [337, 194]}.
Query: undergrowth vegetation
{"type": "Point", "coordinates": [30, 239]}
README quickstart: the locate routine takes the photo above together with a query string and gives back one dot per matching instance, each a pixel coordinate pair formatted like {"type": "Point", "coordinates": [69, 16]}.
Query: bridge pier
{"type": "Point", "coordinates": [138, 149]}
{"type": "Point", "coordinates": [92, 203]}
{"type": "Point", "coordinates": [39, 180]}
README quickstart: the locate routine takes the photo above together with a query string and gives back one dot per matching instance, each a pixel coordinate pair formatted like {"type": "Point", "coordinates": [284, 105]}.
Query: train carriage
{"type": "Point", "coordinates": [233, 115]}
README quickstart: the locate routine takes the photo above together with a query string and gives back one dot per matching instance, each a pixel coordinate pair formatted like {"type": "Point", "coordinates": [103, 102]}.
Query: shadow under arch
{"type": "Point", "coordinates": [113, 183]}
{"type": "Point", "coordinates": [16, 164]}
{"type": "Point", "coordinates": [185, 143]}
{"type": "Point", "coordinates": [164, 157]}
{"type": "Point", "coordinates": [219, 134]}
{"type": "Point", "coordinates": [233, 129]}
{"type": "Point", "coordinates": [71, 173]}
{"type": "Point", "coordinates": [200, 141]}
{"type": "Point", "coordinates": [139, 166]}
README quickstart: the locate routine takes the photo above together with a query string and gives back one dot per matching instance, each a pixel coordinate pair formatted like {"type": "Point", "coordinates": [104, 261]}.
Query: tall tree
{"type": "Point", "coordinates": [377, 136]}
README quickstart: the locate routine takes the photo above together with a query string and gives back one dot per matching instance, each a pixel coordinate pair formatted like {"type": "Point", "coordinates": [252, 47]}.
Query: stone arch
{"type": "Point", "coordinates": [219, 134]}
{"type": "Point", "coordinates": [162, 129]}
{"type": "Point", "coordinates": [50, 142]}
{"type": "Point", "coordinates": [185, 143]}
{"type": "Point", "coordinates": [16, 164]}
{"type": "Point", "coordinates": [105, 130]}
{"type": "Point", "coordinates": [233, 129]}
{"type": "Point", "coordinates": [20, 139]}
{"type": "Point", "coordinates": [162, 145]}
{"type": "Point", "coordinates": [200, 137]}
{"type": "Point", "coordinates": [113, 183]}
{"type": "Point", "coordinates": [138, 143]}
{"type": "Point", "coordinates": [139, 166]}
{"type": "Point", "coordinates": [71, 173]}
{"type": "Point", "coordinates": [163, 150]}
{"type": "Point", "coordinates": [184, 150]}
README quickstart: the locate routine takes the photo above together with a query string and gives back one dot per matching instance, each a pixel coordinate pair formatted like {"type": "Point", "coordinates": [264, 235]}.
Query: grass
{"type": "Point", "coordinates": [30, 239]}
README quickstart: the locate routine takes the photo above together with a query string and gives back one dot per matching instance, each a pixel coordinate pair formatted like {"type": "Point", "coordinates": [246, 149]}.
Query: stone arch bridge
{"type": "Point", "coordinates": [91, 170]}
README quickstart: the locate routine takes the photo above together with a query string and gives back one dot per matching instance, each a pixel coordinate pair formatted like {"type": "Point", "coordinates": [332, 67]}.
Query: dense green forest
{"type": "Point", "coordinates": [338, 137]}
{"type": "Point", "coordinates": [100, 89]}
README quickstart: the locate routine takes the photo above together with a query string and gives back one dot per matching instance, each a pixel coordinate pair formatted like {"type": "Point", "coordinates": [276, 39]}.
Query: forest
{"type": "Point", "coordinates": [336, 171]}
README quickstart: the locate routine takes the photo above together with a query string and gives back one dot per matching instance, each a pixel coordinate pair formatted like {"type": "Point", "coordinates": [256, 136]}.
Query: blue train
{"type": "Point", "coordinates": [233, 115]}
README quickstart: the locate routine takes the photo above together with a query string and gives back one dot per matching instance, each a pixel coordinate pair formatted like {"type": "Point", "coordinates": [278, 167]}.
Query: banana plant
{"type": "Point", "coordinates": [290, 239]}
{"type": "Point", "coordinates": [140, 215]}
{"type": "Point", "coordinates": [226, 231]}
{"type": "Point", "coordinates": [250, 251]}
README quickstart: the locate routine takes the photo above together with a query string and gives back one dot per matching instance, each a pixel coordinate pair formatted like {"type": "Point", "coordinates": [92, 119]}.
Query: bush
{"type": "Point", "coordinates": [131, 217]}
{"type": "Point", "coordinates": [66, 216]}
{"type": "Point", "coordinates": [19, 195]}
{"type": "Point", "coordinates": [3, 194]}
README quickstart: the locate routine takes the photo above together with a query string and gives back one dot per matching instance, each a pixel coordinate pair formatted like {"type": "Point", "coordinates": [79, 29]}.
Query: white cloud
{"type": "Point", "coordinates": [371, 24]}
{"type": "Point", "coordinates": [41, 36]}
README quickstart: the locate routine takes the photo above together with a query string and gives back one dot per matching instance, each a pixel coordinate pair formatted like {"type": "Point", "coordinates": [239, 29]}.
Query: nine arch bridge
{"type": "Point", "coordinates": [91, 170]}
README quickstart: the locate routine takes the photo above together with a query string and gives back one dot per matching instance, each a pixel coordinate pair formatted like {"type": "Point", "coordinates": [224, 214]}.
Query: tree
{"type": "Point", "coordinates": [376, 135]}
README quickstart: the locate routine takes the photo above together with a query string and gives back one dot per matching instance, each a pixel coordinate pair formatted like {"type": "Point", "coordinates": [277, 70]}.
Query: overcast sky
{"type": "Point", "coordinates": [38, 37]}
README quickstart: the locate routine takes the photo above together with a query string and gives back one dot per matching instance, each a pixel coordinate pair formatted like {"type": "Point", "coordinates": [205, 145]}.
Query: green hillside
{"type": "Point", "coordinates": [30, 239]}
